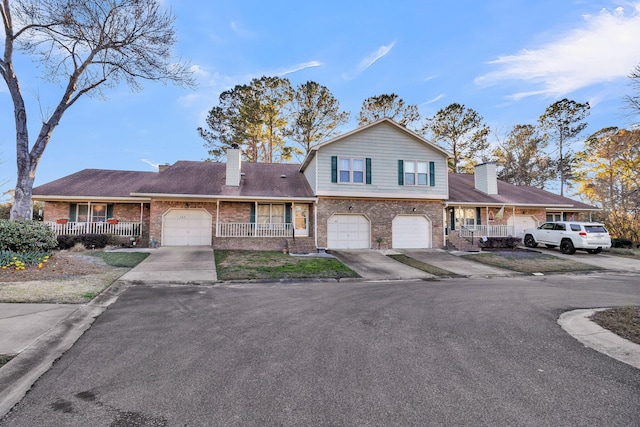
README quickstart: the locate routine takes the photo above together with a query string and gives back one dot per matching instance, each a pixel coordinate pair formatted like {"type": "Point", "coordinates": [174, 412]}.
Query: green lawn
{"type": "Point", "coordinates": [120, 259]}
{"type": "Point", "coordinates": [240, 265]}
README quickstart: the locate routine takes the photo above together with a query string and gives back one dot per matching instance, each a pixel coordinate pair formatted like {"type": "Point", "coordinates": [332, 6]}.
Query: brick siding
{"type": "Point", "coordinates": [381, 214]}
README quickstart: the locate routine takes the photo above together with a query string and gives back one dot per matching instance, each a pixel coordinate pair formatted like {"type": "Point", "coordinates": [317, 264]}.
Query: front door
{"type": "Point", "coordinates": [301, 220]}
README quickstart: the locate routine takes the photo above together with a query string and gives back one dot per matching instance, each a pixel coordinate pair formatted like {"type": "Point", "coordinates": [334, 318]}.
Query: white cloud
{"type": "Point", "coordinates": [431, 101]}
{"type": "Point", "coordinates": [375, 56]}
{"type": "Point", "coordinates": [300, 67]}
{"type": "Point", "coordinates": [240, 31]}
{"type": "Point", "coordinates": [198, 71]}
{"type": "Point", "coordinates": [153, 164]}
{"type": "Point", "coordinates": [368, 61]}
{"type": "Point", "coordinates": [606, 47]}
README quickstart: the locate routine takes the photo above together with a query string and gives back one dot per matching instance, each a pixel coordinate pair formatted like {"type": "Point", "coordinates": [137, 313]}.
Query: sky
{"type": "Point", "coordinates": [506, 59]}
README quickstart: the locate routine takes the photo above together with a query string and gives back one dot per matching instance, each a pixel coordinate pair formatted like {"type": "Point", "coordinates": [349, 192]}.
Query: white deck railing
{"type": "Point", "coordinates": [127, 229]}
{"type": "Point", "coordinates": [488, 231]}
{"type": "Point", "coordinates": [249, 229]}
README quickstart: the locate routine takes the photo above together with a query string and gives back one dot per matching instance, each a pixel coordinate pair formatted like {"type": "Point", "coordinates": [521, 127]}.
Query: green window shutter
{"type": "Point", "coordinates": [287, 213]}
{"type": "Point", "coordinates": [72, 212]}
{"type": "Point", "coordinates": [400, 172]}
{"type": "Point", "coordinates": [478, 216]}
{"type": "Point", "coordinates": [432, 174]}
{"type": "Point", "coordinates": [109, 211]}
{"type": "Point", "coordinates": [334, 168]}
{"type": "Point", "coordinates": [368, 170]}
{"type": "Point", "coordinates": [252, 214]}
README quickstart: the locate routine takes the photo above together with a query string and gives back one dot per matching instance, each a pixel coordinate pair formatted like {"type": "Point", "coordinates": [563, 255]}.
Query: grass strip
{"type": "Point", "coordinates": [530, 262]}
{"type": "Point", "coordinates": [5, 358]}
{"type": "Point", "coordinates": [622, 321]}
{"type": "Point", "coordinates": [428, 268]}
{"type": "Point", "coordinates": [120, 259]}
{"type": "Point", "coordinates": [243, 265]}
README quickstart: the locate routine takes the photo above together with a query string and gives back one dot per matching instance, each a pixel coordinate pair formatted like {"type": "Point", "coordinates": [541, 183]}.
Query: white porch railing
{"type": "Point", "coordinates": [249, 229]}
{"type": "Point", "coordinates": [488, 231]}
{"type": "Point", "coordinates": [127, 229]}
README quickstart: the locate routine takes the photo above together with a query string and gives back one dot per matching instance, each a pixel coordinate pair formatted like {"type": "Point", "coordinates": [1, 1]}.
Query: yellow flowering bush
{"type": "Point", "coordinates": [21, 260]}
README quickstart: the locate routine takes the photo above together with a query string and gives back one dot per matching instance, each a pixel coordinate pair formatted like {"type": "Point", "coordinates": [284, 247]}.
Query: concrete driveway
{"type": "Point", "coordinates": [374, 265]}
{"type": "Point", "coordinates": [455, 264]}
{"type": "Point", "coordinates": [603, 260]}
{"type": "Point", "coordinates": [465, 353]}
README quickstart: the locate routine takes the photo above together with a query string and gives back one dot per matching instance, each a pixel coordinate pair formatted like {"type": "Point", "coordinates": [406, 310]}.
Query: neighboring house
{"type": "Point", "coordinates": [481, 205]}
{"type": "Point", "coordinates": [379, 186]}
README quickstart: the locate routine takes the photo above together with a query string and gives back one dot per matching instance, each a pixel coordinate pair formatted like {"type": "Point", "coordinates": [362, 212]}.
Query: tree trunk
{"type": "Point", "coordinates": [22, 207]}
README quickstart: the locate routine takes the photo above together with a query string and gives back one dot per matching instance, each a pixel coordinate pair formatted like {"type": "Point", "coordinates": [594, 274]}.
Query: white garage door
{"type": "Point", "coordinates": [411, 232]}
{"type": "Point", "coordinates": [521, 223]}
{"type": "Point", "coordinates": [348, 232]}
{"type": "Point", "coordinates": [186, 227]}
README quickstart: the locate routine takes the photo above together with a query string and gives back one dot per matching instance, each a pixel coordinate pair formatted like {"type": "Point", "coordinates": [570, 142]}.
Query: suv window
{"type": "Point", "coordinates": [595, 229]}
{"type": "Point", "coordinates": [547, 226]}
{"type": "Point", "coordinates": [560, 227]}
{"type": "Point", "coordinates": [575, 227]}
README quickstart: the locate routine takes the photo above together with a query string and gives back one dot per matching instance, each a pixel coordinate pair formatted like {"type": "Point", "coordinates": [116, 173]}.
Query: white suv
{"type": "Point", "coordinates": [592, 237]}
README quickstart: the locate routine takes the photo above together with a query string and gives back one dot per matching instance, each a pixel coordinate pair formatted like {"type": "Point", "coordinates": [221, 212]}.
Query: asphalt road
{"type": "Point", "coordinates": [452, 352]}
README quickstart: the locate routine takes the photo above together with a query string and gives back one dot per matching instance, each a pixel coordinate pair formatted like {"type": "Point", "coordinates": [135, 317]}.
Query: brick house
{"type": "Point", "coordinates": [378, 186]}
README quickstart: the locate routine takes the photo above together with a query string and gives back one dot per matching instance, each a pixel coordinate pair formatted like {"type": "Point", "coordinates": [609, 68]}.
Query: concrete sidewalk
{"type": "Point", "coordinates": [22, 324]}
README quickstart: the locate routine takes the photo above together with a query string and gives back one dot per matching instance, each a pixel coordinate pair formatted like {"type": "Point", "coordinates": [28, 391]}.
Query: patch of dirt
{"type": "Point", "coordinates": [61, 265]}
{"type": "Point", "coordinates": [66, 278]}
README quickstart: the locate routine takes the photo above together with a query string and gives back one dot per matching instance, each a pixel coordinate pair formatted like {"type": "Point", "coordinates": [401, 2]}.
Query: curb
{"type": "Point", "coordinates": [18, 376]}
{"type": "Point", "coordinates": [577, 323]}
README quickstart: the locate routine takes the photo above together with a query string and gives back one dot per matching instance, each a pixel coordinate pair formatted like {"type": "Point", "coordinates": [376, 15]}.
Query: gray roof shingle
{"type": "Point", "coordinates": [184, 178]}
{"type": "Point", "coordinates": [462, 190]}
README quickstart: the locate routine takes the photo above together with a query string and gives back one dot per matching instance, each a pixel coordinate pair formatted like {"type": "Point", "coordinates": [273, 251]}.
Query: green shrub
{"type": "Point", "coordinates": [498, 242]}
{"type": "Point", "coordinates": [621, 243]}
{"type": "Point", "coordinates": [26, 236]}
{"type": "Point", "coordinates": [90, 241]}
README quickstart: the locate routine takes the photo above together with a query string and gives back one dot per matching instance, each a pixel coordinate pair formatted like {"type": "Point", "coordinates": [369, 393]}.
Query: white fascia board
{"type": "Point", "coordinates": [157, 196]}
{"type": "Point", "coordinates": [519, 205]}
{"type": "Point", "coordinates": [400, 196]}
{"type": "Point", "coordinates": [88, 198]}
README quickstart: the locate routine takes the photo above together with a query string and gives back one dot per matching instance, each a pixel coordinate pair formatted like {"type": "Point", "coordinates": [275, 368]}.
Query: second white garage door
{"type": "Point", "coordinates": [186, 227]}
{"type": "Point", "coordinates": [411, 232]}
{"type": "Point", "coordinates": [348, 232]}
{"type": "Point", "coordinates": [521, 223]}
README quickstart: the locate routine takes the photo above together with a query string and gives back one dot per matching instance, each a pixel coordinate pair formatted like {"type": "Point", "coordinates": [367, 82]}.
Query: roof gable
{"type": "Point", "coordinates": [381, 122]}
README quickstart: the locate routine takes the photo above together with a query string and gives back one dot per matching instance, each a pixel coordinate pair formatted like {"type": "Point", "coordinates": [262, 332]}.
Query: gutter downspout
{"type": "Point", "coordinates": [315, 223]}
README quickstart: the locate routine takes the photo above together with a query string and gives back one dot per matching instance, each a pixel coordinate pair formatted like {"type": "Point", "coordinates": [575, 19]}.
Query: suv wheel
{"type": "Point", "coordinates": [566, 246]}
{"type": "Point", "coordinates": [529, 241]}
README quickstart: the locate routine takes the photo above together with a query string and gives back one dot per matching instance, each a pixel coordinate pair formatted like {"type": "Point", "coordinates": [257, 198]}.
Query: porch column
{"type": "Point", "coordinates": [217, 216]}
{"type": "Point", "coordinates": [141, 218]}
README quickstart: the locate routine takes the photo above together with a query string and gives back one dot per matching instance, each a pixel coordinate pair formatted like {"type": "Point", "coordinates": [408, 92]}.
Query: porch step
{"type": "Point", "coordinates": [458, 243]}
{"type": "Point", "coordinates": [302, 245]}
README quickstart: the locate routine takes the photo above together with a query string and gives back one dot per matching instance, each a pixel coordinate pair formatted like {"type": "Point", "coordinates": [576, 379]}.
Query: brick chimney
{"type": "Point", "coordinates": [164, 167]}
{"type": "Point", "coordinates": [234, 163]}
{"type": "Point", "coordinates": [486, 179]}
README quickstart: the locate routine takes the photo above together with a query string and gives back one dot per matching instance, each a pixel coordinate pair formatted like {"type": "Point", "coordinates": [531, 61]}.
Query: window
{"type": "Point", "coordinates": [271, 214]}
{"type": "Point", "coordinates": [351, 170]}
{"type": "Point", "coordinates": [552, 216]}
{"type": "Point", "coordinates": [416, 173]}
{"type": "Point", "coordinates": [83, 212]}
